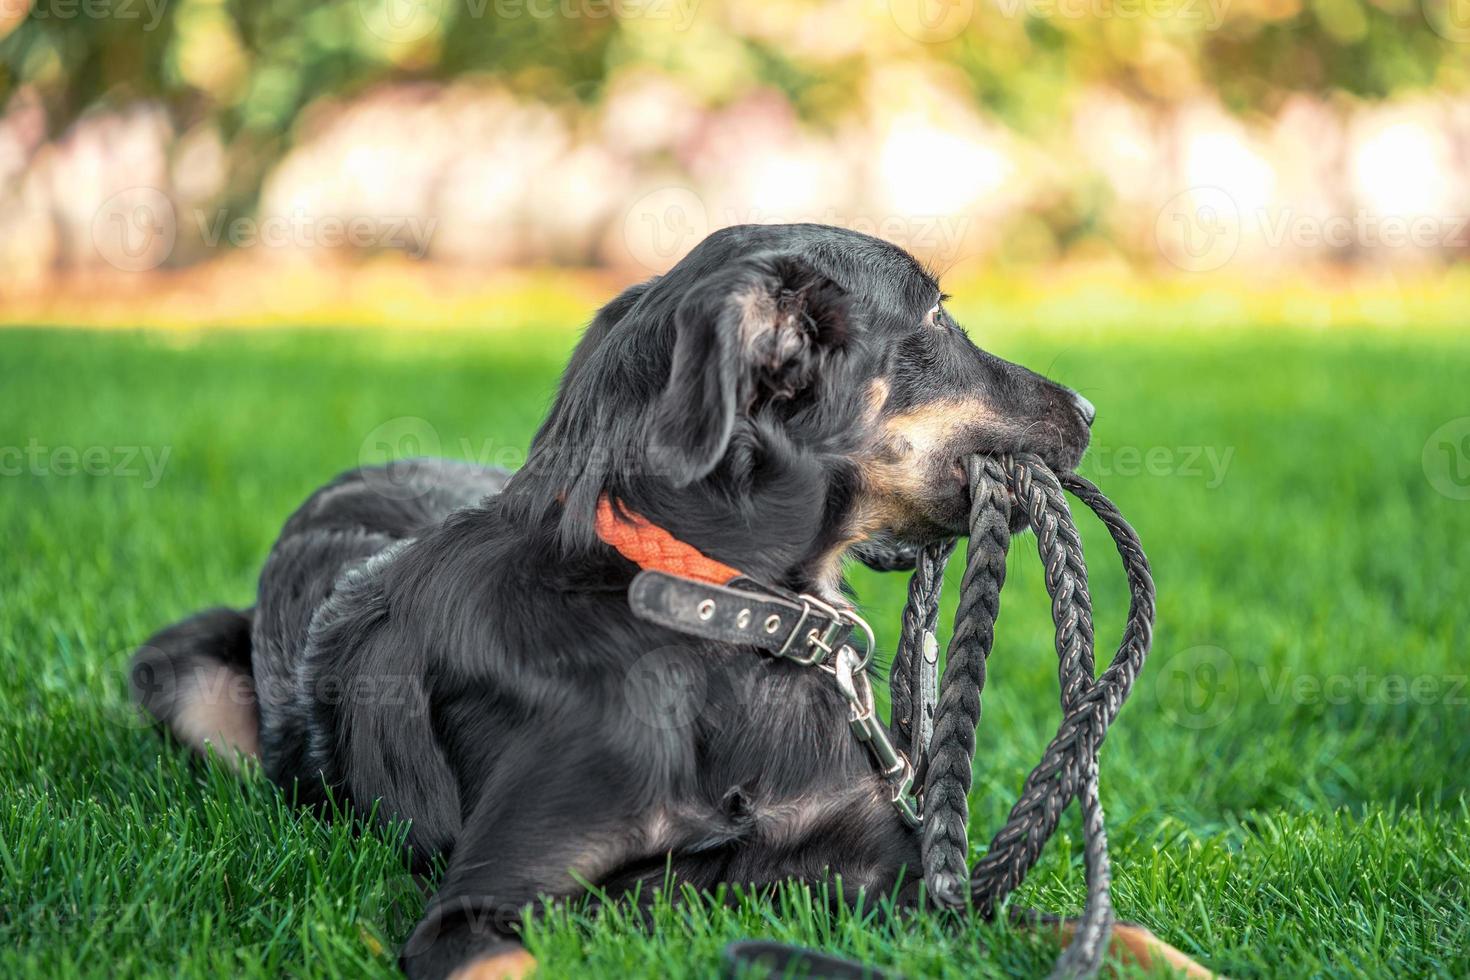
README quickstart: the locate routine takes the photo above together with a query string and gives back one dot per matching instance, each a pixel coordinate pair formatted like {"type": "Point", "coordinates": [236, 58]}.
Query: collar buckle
{"type": "Point", "coordinates": [819, 647]}
{"type": "Point", "coordinates": [809, 648]}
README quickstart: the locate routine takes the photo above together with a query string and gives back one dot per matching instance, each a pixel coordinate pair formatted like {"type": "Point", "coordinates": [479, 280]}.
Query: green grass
{"type": "Point", "coordinates": [1283, 798]}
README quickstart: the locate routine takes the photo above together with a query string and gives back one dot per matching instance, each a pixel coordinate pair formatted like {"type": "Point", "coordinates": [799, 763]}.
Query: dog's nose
{"type": "Point", "coordinates": [1085, 408]}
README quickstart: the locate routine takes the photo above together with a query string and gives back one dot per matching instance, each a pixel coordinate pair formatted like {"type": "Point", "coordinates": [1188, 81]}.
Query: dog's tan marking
{"type": "Point", "coordinates": [220, 712]}
{"type": "Point", "coordinates": [511, 965]}
{"type": "Point", "coordinates": [926, 428]}
{"type": "Point", "coordinates": [660, 831]}
{"type": "Point", "coordinates": [826, 571]}
{"type": "Point", "coordinates": [898, 470]}
{"type": "Point", "coordinates": [879, 392]}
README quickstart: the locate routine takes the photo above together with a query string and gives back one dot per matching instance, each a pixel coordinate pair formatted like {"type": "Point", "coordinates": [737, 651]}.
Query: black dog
{"type": "Point", "coordinates": [458, 647]}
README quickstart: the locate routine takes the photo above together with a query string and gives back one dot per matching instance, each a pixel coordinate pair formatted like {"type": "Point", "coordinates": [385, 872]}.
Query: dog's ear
{"type": "Point", "coordinates": [756, 332]}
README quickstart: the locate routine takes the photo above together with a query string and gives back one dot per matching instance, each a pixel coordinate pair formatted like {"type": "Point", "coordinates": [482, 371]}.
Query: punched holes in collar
{"type": "Point", "coordinates": [742, 619]}
{"type": "Point", "coordinates": [707, 609]}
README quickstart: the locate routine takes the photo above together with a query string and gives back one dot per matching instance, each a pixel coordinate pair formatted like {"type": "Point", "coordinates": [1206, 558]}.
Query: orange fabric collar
{"type": "Point", "coordinates": [651, 547]}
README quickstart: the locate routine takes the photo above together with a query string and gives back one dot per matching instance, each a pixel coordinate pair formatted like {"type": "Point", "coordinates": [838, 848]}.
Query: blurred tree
{"type": "Point", "coordinates": [247, 70]}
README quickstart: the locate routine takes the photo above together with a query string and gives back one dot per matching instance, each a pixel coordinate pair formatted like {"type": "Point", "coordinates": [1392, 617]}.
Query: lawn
{"type": "Point", "coordinates": [1288, 790]}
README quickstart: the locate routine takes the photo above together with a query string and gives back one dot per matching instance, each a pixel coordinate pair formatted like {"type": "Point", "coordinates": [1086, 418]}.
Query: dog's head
{"type": "Point", "coordinates": [805, 382]}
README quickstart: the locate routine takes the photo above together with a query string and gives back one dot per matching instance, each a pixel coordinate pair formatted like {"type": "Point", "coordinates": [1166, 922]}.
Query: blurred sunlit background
{"type": "Point", "coordinates": [1240, 227]}
{"type": "Point", "coordinates": [208, 160]}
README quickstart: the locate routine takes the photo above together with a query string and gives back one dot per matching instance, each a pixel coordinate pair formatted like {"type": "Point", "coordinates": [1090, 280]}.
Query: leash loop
{"type": "Point", "coordinates": [1069, 766]}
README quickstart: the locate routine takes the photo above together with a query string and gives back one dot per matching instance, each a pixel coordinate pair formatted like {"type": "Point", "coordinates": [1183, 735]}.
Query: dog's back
{"type": "Point", "coordinates": [225, 680]}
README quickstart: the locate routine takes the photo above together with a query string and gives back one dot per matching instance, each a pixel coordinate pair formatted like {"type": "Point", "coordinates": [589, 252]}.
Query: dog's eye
{"type": "Point", "coordinates": [934, 317]}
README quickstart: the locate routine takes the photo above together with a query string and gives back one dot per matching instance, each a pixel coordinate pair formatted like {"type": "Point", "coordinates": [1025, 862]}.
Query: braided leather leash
{"type": "Point", "coordinates": [1069, 766]}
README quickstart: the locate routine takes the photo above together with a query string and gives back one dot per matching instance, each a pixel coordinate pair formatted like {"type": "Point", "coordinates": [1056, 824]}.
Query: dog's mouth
{"type": "Point", "coordinates": [946, 515]}
{"type": "Point", "coordinates": [1019, 520]}
{"type": "Point", "coordinates": [949, 504]}
{"type": "Point", "coordinates": [938, 507]}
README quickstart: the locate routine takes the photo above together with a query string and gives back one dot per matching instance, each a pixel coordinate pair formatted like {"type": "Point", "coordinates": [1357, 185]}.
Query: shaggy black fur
{"type": "Point", "coordinates": [456, 648]}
